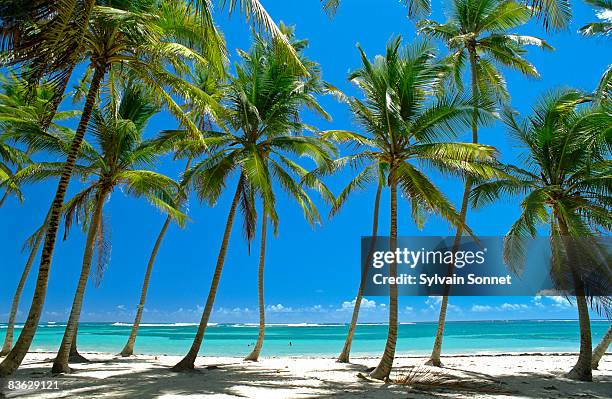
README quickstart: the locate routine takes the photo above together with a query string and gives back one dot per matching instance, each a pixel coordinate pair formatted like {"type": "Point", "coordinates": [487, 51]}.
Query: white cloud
{"type": "Point", "coordinates": [513, 306]}
{"type": "Point", "coordinates": [365, 304]}
{"type": "Point", "coordinates": [121, 307]}
{"type": "Point", "coordinates": [481, 308]}
{"type": "Point", "coordinates": [278, 308]}
{"type": "Point", "coordinates": [606, 15]}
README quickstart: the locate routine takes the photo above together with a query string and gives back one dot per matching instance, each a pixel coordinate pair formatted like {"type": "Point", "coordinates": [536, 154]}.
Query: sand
{"type": "Point", "coordinates": [464, 376]}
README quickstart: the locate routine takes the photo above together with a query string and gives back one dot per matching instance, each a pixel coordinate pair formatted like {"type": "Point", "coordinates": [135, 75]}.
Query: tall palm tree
{"type": "Point", "coordinates": [565, 184]}
{"type": "Point", "coordinates": [136, 38]}
{"type": "Point", "coordinates": [404, 113]}
{"type": "Point", "coordinates": [554, 14]}
{"type": "Point", "coordinates": [263, 105]}
{"type": "Point", "coordinates": [602, 27]}
{"type": "Point", "coordinates": [344, 356]}
{"type": "Point", "coordinates": [209, 81]}
{"type": "Point", "coordinates": [478, 31]}
{"type": "Point", "coordinates": [113, 162]}
{"type": "Point", "coordinates": [24, 117]}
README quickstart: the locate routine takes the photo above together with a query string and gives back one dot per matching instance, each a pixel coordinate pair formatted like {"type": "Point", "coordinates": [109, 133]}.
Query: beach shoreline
{"type": "Point", "coordinates": [495, 375]}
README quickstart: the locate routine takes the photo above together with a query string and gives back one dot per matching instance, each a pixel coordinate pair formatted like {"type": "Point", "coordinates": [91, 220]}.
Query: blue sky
{"type": "Point", "coordinates": [311, 274]}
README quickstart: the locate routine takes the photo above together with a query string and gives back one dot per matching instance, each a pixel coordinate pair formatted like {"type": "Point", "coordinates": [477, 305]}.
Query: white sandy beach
{"type": "Point", "coordinates": [480, 376]}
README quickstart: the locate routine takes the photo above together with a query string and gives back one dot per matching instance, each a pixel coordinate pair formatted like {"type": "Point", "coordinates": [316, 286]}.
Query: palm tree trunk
{"type": "Point", "coordinates": [383, 370]}
{"type": "Point", "coordinates": [15, 357]}
{"type": "Point", "coordinates": [582, 369]}
{"type": "Point", "coordinates": [188, 362]}
{"type": "Point", "coordinates": [60, 364]}
{"type": "Point", "coordinates": [601, 349]}
{"type": "Point", "coordinates": [434, 359]}
{"type": "Point", "coordinates": [346, 351]}
{"type": "Point", "coordinates": [128, 349]}
{"type": "Point", "coordinates": [75, 356]}
{"type": "Point", "coordinates": [10, 328]}
{"type": "Point", "coordinates": [260, 292]}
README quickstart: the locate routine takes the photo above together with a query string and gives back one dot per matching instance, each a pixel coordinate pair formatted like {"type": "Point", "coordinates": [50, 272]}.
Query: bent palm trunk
{"type": "Point", "coordinates": [260, 293]}
{"type": "Point", "coordinates": [188, 362]}
{"type": "Point", "coordinates": [15, 357]}
{"type": "Point", "coordinates": [434, 359]}
{"type": "Point", "coordinates": [10, 328]}
{"type": "Point", "coordinates": [601, 349]}
{"type": "Point", "coordinates": [60, 364]}
{"type": "Point", "coordinates": [383, 370]}
{"type": "Point", "coordinates": [128, 349]}
{"type": "Point", "coordinates": [346, 351]}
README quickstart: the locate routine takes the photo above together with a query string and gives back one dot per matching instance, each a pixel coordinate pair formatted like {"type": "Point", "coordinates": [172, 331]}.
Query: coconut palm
{"type": "Point", "coordinates": [478, 32]}
{"type": "Point", "coordinates": [207, 80]}
{"type": "Point", "coordinates": [601, 348]}
{"type": "Point", "coordinates": [138, 40]}
{"type": "Point", "coordinates": [404, 113]}
{"type": "Point", "coordinates": [113, 162]}
{"type": "Point", "coordinates": [565, 185]}
{"type": "Point", "coordinates": [554, 14]}
{"type": "Point", "coordinates": [24, 115]}
{"type": "Point", "coordinates": [602, 27]}
{"type": "Point", "coordinates": [263, 105]}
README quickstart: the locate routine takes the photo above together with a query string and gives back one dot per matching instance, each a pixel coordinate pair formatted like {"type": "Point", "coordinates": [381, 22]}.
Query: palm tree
{"type": "Point", "coordinates": [555, 14]}
{"type": "Point", "coordinates": [601, 348]}
{"type": "Point", "coordinates": [404, 113]}
{"type": "Point", "coordinates": [603, 27]}
{"type": "Point", "coordinates": [24, 117]}
{"type": "Point", "coordinates": [477, 31]}
{"type": "Point", "coordinates": [117, 129]}
{"type": "Point", "coordinates": [565, 184]}
{"type": "Point", "coordinates": [208, 81]}
{"type": "Point", "coordinates": [346, 349]}
{"type": "Point", "coordinates": [137, 40]}
{"type": "Point", "coordinates": [263, 105]}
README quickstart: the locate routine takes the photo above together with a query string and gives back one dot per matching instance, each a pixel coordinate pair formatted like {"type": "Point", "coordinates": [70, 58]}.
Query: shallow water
{"type": "Point", "coordinates": [326, 340]}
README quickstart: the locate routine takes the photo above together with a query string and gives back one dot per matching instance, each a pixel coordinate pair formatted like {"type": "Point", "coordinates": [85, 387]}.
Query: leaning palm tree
{"type": "Point", "coordinates": [601, 348]}
{"type": "Point", "coordinates": [24, 119]}
{"type": "Point", "coordinates": [604, 13]}
{"type": "Point", "coordinates": [478, 32]}
{"type": "Point", "coordinates": [404, 113]}
{"type": "Point", "coordinates": [565, 184]}
{"type": "Point", "coordinates": [114, 161]}
{"type": "Point", "coordinates": [209, 81]}
{"type": "Point", "coordinates": [263, 108]}
{"type": "Point", "coordinates": [138, 40]}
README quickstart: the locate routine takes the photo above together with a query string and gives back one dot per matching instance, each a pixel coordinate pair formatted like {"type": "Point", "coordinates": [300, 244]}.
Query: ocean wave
{"type": "Point", "coordinates": [119, 324]}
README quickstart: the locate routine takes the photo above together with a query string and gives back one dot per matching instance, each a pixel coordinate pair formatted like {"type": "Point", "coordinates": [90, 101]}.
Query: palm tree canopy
{"type": "Point", "coordinates": [404, 114]}
{"type": "Point", "coordinates": [23, 110]}
{"type": "Point", "coordinates": [480, 27]}
{"type": "Point", "coordinates": [604, 13]}
{"type": "Point", "coordinates": [565, 183]}
{"type": "Point", "coordinates": [118, 157]}
{"type": "Point", "coordinates": [262, 106]}
{"type": "Point", "coordinates": [555, 14]}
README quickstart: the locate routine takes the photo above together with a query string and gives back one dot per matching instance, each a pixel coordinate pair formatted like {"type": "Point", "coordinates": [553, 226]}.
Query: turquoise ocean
{"type": "Point", "coordinates": [324, 339]}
